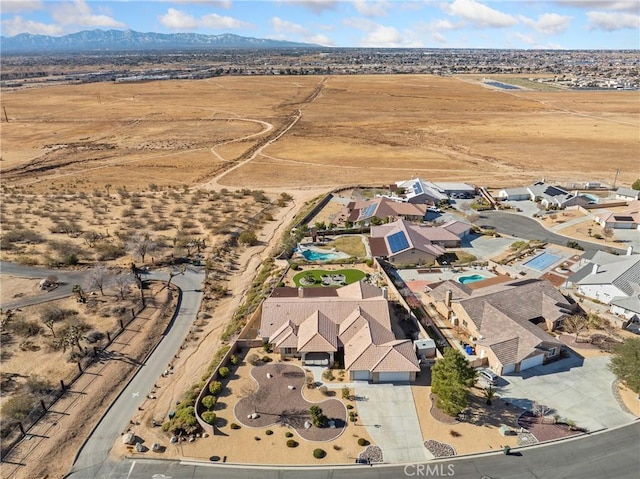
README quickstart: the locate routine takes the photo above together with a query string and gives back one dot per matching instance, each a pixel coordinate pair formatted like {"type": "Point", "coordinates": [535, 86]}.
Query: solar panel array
{"type": "Point", "coordinates": [397, 242]}
{"type": "Point", "coordinates": [417, 188]}
{"type": "Point", "coordinates": [368, 211]}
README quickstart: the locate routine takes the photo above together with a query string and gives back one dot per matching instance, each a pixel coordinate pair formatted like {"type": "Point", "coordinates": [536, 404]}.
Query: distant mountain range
{"type": "Point", "coordinates": [92, 40]}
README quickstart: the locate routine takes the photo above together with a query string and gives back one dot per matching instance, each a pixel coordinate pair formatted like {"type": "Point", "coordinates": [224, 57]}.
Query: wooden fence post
{"type": "Point", "coordinates": [62, 385]}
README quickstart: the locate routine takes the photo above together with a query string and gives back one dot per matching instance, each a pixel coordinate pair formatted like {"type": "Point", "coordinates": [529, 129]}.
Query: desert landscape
{"type": "Point", "coordinates": [89, 171]}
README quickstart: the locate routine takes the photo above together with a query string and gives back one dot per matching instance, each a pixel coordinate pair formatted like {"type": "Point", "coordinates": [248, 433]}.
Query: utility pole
{"type": "Point", "coordinates": [615, 179]}
{"type": "Point", "coordinates": [6, 118]}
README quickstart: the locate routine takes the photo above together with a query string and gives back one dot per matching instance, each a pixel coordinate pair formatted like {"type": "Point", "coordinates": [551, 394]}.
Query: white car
{"type": "Point", "coordinates": [488, 376]}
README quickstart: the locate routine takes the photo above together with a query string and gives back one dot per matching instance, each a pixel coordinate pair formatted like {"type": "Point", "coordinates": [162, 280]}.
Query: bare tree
{"type": "Point", "coordinates": [122, 282]}
{"type": "Point", "coordinates": [608, 232]}
{"type": "Point", "coordinates": [140, 245]}
{"type": "Point", "coordinates": [254, 394]}
{"type": "Point", "coordinates": [98, 277]}
{"type": "Point", "coordinates": [540, 410]}
{"type": "Point", "coordinates": [175, 272]}
{"type": "Point", "coordinates": [575, 323]}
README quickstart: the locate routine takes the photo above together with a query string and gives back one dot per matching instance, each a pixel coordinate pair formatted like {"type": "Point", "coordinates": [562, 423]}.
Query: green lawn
{"type": "Point", "coordinates": [352, 245]}
{"type": "Point", "coordinates": [351, 276]}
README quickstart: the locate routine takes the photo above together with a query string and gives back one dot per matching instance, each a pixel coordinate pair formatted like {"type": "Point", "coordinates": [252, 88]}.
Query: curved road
{"type": "Point", "coordinates": [92, 460]}
{"type": "Point", "coordinates": [520, 226]}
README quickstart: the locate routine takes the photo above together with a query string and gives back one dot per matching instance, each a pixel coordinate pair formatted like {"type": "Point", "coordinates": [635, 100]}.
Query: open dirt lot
{"type": "Point", "coordinates": [86, 136]}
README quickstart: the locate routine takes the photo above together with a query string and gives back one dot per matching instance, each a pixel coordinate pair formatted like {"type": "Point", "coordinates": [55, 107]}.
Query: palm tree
{"type": "Point", "coordinates": [489, 393]}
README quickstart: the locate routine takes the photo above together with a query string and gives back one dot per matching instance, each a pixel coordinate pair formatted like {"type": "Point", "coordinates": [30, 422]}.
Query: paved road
{"type": "Point", "coordinates": [612, 454]}
{"type": "Point", "coordinates": [67, 280]}
{"type": "Point", "coordinates": [92, 461]}
{"type": "Point", "coordinates": [522, 227]}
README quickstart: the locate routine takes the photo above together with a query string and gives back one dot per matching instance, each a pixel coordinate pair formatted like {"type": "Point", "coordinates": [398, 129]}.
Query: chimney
{"type": "Point", "coordinates": [447, 298]}
{"type": "Point", "coordinates": [629, 250]}
{"type": "Point", "coordinates": [300, 292]}
{"type": "Point", "coordinates": [595, 268]}
{"type": "Point", "coordinates": [385, 293]}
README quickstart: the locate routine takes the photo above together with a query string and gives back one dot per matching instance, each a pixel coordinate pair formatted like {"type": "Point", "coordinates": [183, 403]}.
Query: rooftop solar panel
{"type": "Point", "coordinates": [417, 188]}
{"type": "Point", "coordinates": [397, 242]}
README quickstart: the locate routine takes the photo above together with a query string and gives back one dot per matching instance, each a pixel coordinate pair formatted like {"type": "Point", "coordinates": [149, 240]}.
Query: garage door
{"type": "Point", "coordinates": [393, 377]}
{"type": "Point", "coordinates": [531, 362]}
{"type": "Point", "coordinates": [508, 368]}
{"type": "Point", "coordinates": [361, 375]}
{"type": "Point", "coordinates": [317, 359]}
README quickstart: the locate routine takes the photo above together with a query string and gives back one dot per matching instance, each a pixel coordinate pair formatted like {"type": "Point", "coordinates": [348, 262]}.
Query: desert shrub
{"type": "Point", "coordinates": [94, 336]}
{"type": "Point", "coordinates": [363, 442]}
{"type": "Point", "coordinates": [23, 327]}
{"type": "Point", "coordinates": [28, 345]}
{"type": "Point", "coordinates": [266, 359]}
{"type": "Point", "coordinates": [346, 393]}
{"type": "Point", "coordinates": [37, 385]}
{"type": "Point", "coordinates": [324, 390]}
{"type": "Point", "coordinates": [209, 417]}
{"type": "Point", "coordinates": [253, 359]}
{"type": "Point", "coordinates": [328, 375]}
{"type": "Point", "coordinates": [209, 401]}
{"type": "Point", "coordinates": [268, 432]}
{"type": "Point", "coordinates": [349, 406]}
{"type": "Point", "coordinates": [337, 448]}
{"type": "Point", "coordinates": [292, 443]}
{"type": "Point", "coordinates": [288, 434]}
{"type": "Point", "coordinates": [108, 251]}
{"type": "Point", "coordinates": [223, 372]}
{"type": "Point", "coordinates": [454, 433]}
{"type": "Point", "coordinates": [18, 407]}
{"type": "Point", "coordinates": [234, 426]}
{"type": "Point", "coordinates": [215, 387]}
{"type": "Point", "coordinates": [234, 359]}
{"type": "Point", "coordinates": [352, 416]}
{"type": "Point", "coordinates": [319, 453]}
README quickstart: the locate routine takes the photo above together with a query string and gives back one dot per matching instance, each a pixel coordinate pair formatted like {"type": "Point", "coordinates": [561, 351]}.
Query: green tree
{"type": "Point", "coordinates": [209, 401]}
{"type": "Point", "coordinates": [636, 184]}
{"type": "Point", "coordinates": [625, 363]}
{"type": "Point", "coordinates": [248, 237]}
{"type": "Point", "coordinates": [451, 378]}
{"type": "Point", "coordinates": [215, 388]}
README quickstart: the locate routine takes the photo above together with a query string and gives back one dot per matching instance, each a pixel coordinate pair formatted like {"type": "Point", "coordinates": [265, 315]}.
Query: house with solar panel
{"type": "Point", "coordinates": [402, 242]}
{"type": "Point", "coordinates": [420, 191]}
{"type": "Point", "coordinates": [384, 210]}
{"type": "Point", "coordinates": [548, 195]}
{"type": "Point", "coordinates": [627, 219]}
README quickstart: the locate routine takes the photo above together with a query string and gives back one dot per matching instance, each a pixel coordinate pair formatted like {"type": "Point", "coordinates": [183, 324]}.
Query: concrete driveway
{"type": "Point", "coordinates": [389, 414]}
{"type": "Point", "coordinates": [575, 388]}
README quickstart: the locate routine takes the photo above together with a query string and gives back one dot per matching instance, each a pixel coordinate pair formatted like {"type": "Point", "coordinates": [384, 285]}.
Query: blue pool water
{"type": "Point", "coordinates": [471, 279]}
{"type": "Point", "coordinates": [542, 261]}
{"type": "Point", "coordinates": [311, 255]}
{"type": "Point", "coordinates": [593, 198]}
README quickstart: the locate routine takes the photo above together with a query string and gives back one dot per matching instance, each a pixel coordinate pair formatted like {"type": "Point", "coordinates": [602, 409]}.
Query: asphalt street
{"type": "Point", "coordinates": [522, 227]}
{"type": "Point", "coordinates": [92, 461]}
{"type": "Point", "coordinates": [611, 454]}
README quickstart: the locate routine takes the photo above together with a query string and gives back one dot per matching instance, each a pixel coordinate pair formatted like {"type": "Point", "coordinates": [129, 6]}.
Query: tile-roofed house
{"type": "Point", "coordinates": [627, 219]}
{"type": "Point", "coordinates": [407, 243]}
{"type": "Point", "coordinates": [507, 321]}
{"type": "Point", "coordinates": [355, 321]}
{"type": "Point", "coordinates": [384, 209]}
{"type": "Point", "coordinates": [458, 228]}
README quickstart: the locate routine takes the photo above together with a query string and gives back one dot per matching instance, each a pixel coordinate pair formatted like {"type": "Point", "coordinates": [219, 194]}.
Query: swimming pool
{"type": "Point", "coordinates": [592, 198]}
{"type": "Point", "coordinates": [314, 255]}
{"type": "Point", "coordinates": [471, 279]}
{"type": "Point", "coordinates": [504, 86]}
{"type": "Point", "coordinates": [542, 261]}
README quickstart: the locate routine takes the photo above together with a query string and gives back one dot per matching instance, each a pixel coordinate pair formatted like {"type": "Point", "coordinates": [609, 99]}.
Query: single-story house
{"type": "Point", "coordinates": [627, 219]}
{"type": "Point", "coordinates": [351, 322]}
{"type": "Point", "coordinates": [608, 276]}
{"type": "Point", "coordinates": [548, 195]}
{"type": "Point", "coordinates": [384, 209]}
{"type": "Point", "coordinates": [401, 242]}
{"type": "Point", "coordinates": [417, 190]}
{"type": "Point", "coordinates": [626, 306]}
{"type": "Point", "coordinates": [458, 228]}
{"type": "Point", "coordinates": [627, 194]}
{"type": "Point", "coordinates": [514, 194]}
{"type": "Point", "coordinates": [508, 323]}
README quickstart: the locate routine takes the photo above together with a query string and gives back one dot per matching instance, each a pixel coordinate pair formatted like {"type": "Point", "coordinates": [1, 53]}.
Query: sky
{"type": "Point", "coordinates": [521, 24]}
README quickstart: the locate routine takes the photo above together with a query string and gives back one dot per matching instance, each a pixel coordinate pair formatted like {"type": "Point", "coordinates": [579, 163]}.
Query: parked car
{"type": "Point", "coordinates": [488, 376]}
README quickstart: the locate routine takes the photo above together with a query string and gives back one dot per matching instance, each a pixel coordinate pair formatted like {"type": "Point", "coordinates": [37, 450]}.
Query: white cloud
{"type": "Point", "coordinates": [79, 13]}
{"type": "Point", "coordinates": [179, 20]}
{"type": "Point", "coordinates": [548, 23]}
{"type": "Point", "coordinates": [226, 4]}
{"type": "Point", "coordinates": [479, 14]}
{"type": "Point", "coordinates": [382, 36]}
{"type": "Point", "coordinates": [18, 6]}
{"type": "Point", "coordinates": [371, 8]}
{"type": "Point", "coordinates": [17, 25]}
{"type": "Point", "coordinates": [612, 21]}
{"type": "Point", "coordinates": [525, 38]}
{"type": "Point", "coordinates": [321, 40]}
{"type": "Point", "coordinates": [439, 38]}
{"type": "Point", "coordinates": [284, 26]}
{"type": "Point", "coordinates": [618, 5]}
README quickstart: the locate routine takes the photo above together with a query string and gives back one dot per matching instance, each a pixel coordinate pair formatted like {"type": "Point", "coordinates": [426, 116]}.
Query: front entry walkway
{"type": "Point", "coordinates": [388, 411]}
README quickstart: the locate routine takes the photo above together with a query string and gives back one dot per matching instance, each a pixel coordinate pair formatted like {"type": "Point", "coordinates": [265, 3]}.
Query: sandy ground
{"type": "Point", "coordinates": [630, 399]}
{"type": "Point", "coordinates": [59, 434]}
{"type": "Point", "coordinates": [12, 288]}
{"type": "Point", "coordinates": [579, 231]}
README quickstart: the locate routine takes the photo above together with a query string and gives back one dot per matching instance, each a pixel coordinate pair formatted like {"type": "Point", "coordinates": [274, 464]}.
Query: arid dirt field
{"type": "Point", "coordinates": [342, 129]}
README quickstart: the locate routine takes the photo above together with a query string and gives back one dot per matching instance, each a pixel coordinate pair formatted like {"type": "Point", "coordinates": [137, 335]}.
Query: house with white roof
{"type": "Point", "coordinates": [318, 325]}
{"type": "Point", "coordinates": [417, 190]}
{"type": "Point", "coordinates": [608, 277]}
{"type": "Point", "coordinates": [508, 323]}
{"type": "Point", "coordinates": [627, 194]}
{"type": "Point", "coordinates": [548, 195]}
{"type": "Point", "coordinates": [402, 242]}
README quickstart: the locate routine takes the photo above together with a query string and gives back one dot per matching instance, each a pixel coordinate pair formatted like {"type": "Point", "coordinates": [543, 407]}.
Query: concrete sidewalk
{"type": "Point", "coordinates": [388, 412]}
